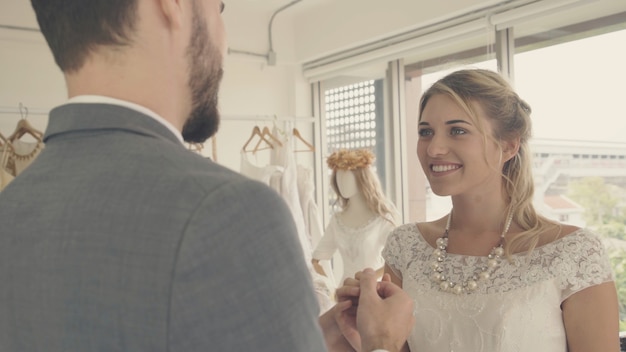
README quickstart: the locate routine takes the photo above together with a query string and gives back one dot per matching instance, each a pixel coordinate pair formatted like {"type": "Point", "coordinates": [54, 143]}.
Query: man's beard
{"type": "Point", "coordinates": [205, 74]}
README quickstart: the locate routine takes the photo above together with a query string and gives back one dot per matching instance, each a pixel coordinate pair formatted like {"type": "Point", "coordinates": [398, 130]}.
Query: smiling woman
{"type": "Point", "coordinates": [493, 254]}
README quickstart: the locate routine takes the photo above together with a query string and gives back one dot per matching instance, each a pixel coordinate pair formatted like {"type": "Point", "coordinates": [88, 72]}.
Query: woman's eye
{"type": "Point", "coordinates": [457, 131]}
{"type": "Point", "coordinates": [424, 132]}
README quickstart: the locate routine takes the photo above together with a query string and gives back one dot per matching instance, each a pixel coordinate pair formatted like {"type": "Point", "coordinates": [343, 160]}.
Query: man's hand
{"type": "Point", "coordinates": [384, 316]}
{"type": "Point", "coordinates": [339, 326]}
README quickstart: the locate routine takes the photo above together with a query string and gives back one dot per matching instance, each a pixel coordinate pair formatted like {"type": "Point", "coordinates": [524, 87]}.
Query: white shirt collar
{"type": "Point", "coordinates": [99, 99]}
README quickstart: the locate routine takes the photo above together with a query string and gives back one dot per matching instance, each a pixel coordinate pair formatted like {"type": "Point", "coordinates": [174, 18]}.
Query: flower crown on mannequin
{"type": "Point", "coordinates": [345, 159]}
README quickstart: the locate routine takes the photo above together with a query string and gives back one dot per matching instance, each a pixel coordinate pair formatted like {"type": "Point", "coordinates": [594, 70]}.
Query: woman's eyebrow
{"type": "Point", "coordinates": [452, 122]}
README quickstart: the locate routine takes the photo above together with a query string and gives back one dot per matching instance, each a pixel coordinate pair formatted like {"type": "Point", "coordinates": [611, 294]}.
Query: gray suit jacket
{"type": "Point", "coordinates": [117, 238]}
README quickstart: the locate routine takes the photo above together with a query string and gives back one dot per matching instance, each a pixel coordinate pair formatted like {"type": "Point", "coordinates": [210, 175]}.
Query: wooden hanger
{"type": "Point", "coordinates": [256, 132]}
{"type": "Point", "coordinates": [267, 133]}
{"type": "Point", "coordinates": [310, 147]}
{"type": "Point", "coordinates": [24, 127]}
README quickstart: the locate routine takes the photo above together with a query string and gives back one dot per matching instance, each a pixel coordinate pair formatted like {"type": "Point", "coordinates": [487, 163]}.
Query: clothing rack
{"type": "Point", "coordinates": [268, 118]}
{"type": "Point", "coordinates": [11, 111]}
{"type": "Point", "coordinates": [16, 111]}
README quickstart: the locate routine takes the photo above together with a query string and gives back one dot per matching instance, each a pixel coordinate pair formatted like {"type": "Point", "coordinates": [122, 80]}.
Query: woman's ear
{"type": "Point", "coordinates": [510, 149]}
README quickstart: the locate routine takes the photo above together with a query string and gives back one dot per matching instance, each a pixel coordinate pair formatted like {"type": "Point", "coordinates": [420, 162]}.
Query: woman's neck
{"type": "Point", "coordinates": [478, 215]}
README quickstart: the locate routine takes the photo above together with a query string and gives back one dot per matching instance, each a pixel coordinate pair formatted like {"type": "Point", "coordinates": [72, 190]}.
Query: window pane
{"type": "Point", "coordinates": [576, 93]}
{"type": "Point", "coordinates": [351, 105]}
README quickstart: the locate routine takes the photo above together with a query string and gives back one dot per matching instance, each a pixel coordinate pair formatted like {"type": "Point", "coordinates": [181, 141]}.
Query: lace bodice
{"type": "Point", "coordinates": [517, 309]}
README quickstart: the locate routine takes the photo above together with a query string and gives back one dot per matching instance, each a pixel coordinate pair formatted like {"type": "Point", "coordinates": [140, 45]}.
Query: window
{"type": "Point", "coordinates": [572, 78]}
{"type": "Point", "coordinates": [354, 120]}
{"type": "Point", "coordinates": [567, 63]}
{"type": "Point", "coordinates": [575, 90]}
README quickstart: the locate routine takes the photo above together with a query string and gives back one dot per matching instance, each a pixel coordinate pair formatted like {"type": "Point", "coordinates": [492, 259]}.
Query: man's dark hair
{"type": "Point", "coordinates": [73, 28]}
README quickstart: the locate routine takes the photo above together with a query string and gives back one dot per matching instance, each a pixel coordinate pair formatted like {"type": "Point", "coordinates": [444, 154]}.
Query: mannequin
{"type": "Point", "coordinates": [360, 229]}
{"type": "Point", "coordinates": [358, 213]}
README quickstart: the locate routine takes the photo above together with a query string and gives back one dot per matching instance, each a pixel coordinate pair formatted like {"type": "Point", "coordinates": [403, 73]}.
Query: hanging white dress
{"type": "Point", "coordinates": [263, 174]}
{"type": "Point", "coordinates": [283, 156]}
{"type": "Point", "coordinates": [325, 285]}
{"type": "Point", "coordinates": [281, 175]}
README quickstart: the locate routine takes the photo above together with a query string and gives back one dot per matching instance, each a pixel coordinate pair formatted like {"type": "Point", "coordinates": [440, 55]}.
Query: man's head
{"type": "Point", "coordinates": [74, 28]}
{"type": "Point", "coordinates": [78, 31]}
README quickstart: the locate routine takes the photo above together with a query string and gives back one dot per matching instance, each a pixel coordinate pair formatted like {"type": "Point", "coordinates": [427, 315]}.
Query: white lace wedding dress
{"type": "Point", "coordinates": [518, 309]}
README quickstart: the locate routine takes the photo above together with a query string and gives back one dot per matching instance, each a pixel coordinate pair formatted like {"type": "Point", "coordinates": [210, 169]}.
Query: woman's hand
{"type": "Point", "coordinates": [333, 335]}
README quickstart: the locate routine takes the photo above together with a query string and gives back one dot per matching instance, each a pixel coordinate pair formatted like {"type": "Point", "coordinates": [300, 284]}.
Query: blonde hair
{"type": "Point", "coordinates": [368, 184]}
{"type": "Point", "coordinates": [510, 117]}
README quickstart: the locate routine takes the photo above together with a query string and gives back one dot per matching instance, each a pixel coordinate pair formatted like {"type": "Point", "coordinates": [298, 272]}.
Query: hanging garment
{"type": "Point", "coordinates": [24, 153]}
{"type": "Point", "coordinates": [5, 176]}
{"type": "Point", "coordinates": [283, 156]}
{"type": "Point", "coordinates": [263, 174]}
{"type": "Point", "coordinates": [324, 285]}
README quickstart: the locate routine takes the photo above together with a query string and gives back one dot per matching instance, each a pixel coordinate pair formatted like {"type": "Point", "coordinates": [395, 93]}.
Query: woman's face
{"type": "Point", "coordinates": [452, 150]}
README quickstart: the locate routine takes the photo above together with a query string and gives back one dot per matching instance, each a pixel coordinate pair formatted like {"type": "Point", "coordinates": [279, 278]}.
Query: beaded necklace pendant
{"type": "Point", "coordinates": [481, 273]}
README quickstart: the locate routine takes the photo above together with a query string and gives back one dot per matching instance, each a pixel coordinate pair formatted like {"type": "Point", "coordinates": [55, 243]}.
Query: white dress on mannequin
{"type": "Point", "coordinates": [360, 247]}
{"type": "Point", "coordinates": [357, 233]}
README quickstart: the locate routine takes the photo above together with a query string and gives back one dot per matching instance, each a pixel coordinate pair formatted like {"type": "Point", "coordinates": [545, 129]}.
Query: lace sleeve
{"type": "Point", "coordinates": [585, 263]}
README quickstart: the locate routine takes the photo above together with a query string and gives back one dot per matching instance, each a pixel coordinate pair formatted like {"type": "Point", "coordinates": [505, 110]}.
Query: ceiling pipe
{"type": "Point", "coordinates": [271, 55]}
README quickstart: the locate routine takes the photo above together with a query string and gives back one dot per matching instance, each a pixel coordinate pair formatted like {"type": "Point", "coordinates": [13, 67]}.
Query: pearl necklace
{"type": "Point", "coordinates": [481, 274]}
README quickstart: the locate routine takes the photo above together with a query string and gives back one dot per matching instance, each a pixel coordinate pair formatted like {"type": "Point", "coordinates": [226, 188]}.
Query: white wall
{"type": "Point", "coordinates": [250, 87]}
{"type": "Point", "coordinates": [28, 74]}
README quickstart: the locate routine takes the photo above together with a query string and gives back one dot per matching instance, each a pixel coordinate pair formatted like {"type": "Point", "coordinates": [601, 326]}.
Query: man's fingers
{"type": "Point", "coordinates": [368, 283]}
{"type": "Point", "coordinates": [341, 306]}
{"type": "Point", "coordinates": [344, 293]}
{"type": "Point", "coordinates": [351, 282]}
{"type": "Point", "coordinates": [387, 289]}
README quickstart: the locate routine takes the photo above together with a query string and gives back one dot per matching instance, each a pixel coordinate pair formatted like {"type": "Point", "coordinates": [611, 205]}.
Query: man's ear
{"type": "Point", "coordinates": [510, 148]}
{"type": "Point", "coordinates": [172, 11]}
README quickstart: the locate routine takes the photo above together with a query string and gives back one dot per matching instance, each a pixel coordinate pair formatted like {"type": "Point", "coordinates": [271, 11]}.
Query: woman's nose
{"type": "Point", "coordinates": [437, 146]}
